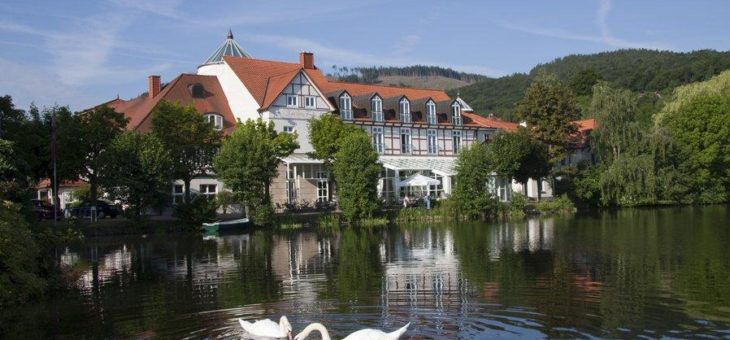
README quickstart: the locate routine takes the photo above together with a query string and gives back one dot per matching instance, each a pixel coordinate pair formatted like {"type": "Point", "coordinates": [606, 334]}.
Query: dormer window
{"type": "Point", "coordinates": [345, 107]}
{"type": "Point", "coordinates": [456, 114]}
{"type": "Point", "coordinates": [197, 91]}
{"type": "Point", "coordinates": [376, 106]}
{"type": "Point", "coordinates": [431, 112]}
{"type": "Point", "coordinates": [405, 110]}
{"type": "Point", "coordinates": [215, 119]}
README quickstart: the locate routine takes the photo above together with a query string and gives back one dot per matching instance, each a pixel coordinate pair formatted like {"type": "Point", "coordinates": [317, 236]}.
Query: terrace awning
{"type": "Point", "coordinates": [444, 166]}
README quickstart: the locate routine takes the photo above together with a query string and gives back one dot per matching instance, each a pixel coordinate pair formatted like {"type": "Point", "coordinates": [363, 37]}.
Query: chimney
{"type": "Point", "coordinates": [306, 59]}
{"type": "Point", "coordinates": [154, 86]}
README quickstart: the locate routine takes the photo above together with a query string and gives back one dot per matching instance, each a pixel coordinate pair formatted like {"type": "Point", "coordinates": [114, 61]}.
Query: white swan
{"type": "Point", "coordinates": [267, 328]}
{"type": "Point", "coordinates": [363, 334]}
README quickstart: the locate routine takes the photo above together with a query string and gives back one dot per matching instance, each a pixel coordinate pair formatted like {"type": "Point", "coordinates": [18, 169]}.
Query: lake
{"type": "Point", "coordinates": [629, 273]}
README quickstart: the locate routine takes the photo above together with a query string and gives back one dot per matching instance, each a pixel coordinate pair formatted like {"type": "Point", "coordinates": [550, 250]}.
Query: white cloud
{"type": "Point", "coordinates": [28, 84]}
{"type": "Point", "coordinates": [605, 37]}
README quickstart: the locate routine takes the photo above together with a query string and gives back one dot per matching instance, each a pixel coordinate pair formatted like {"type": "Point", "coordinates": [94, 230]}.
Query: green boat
{"type": "Point", "coordinates": [215, 226]}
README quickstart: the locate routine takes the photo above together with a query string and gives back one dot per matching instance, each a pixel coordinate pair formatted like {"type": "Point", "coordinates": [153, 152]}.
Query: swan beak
{"type": "Point", "coordinates": [290, 337]}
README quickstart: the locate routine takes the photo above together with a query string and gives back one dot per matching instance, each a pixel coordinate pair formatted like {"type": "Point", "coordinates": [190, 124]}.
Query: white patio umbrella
{"type": "Point", "coordinates": [419, 180]}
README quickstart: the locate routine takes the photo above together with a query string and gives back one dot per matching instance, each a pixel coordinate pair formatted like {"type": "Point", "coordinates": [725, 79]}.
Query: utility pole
{"type": "Point", "coordinates": [54, 154]}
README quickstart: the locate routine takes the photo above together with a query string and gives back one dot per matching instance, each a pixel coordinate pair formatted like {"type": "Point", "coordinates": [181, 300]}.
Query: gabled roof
{"type": "Point", "coordinates": [139, 109]}
{"type": "Point", "coordinates": [264, 79]}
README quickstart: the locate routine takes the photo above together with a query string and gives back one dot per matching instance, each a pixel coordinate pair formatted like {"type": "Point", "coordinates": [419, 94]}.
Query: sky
{"type": "Point", "coordinates": [83, 53]}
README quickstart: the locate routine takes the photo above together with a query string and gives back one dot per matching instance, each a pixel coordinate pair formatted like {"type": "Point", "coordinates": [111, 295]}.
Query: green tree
{"type": "Point", "coordinates": [325, 133]}
{"type": "Point", "coordinates": [356, 171]}
{"type": "Point", "coordinates": [582, 83]}
{"type": "Point", "coordinates": [472, 174]}
{"type": "Point", "coordinates": [701, 133]}
{"type": "Point", "coordinates": [191, 140]}
{"type": "Point", "coordinates": [138, 170]}
{"type": "Point", "coordinates": [549, 108]}
{"type": "Point", "coordinates": [248, 160]}
{"type": "Point", "coordinates": [19, 278]}
{"type": "Point", "coordinates": [516, 155]}
{"type": "Point", "coordinates": [96, 131]}
{"type": "Point", "coordinates": [18, 251]}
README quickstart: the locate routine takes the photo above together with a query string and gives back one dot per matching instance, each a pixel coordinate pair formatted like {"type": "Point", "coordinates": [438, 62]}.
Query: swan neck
{"type": "Point", "coordinates": [315, 327]}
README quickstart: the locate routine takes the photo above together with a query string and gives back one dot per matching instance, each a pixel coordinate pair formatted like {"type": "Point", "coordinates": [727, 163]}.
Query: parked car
{"type": "Point", "coordinates": [103, 209]}
{"type": "Point", "coordinates": [44, 210]}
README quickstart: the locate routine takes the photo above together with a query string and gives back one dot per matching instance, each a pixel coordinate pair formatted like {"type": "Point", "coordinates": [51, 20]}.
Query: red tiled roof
{"type": "Point", "coordinates": [138, 110]}
{"type": "Point", "coordinates": [265, 79]}
{"type": "Point", "coordinates": [491, 122]}
{"type": "Point", "coordinates": [585, 124]}
{"type": "Point", "coordinates": [357, 89]}
{"type": "Point", "coordinates": [46, 183]}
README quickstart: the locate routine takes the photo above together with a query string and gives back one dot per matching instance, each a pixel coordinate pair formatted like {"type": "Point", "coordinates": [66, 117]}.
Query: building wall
{"type": "Point", "coordinates": [297, 117]}
{"type": "Point", "coordinates": [419, 139]}
{"type": "Point", "coordinates": [242, 104]}
{"type": "Point", "coordinates": [278, 189]}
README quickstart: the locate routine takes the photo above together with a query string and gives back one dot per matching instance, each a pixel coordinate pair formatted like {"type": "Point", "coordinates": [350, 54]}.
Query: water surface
{"type": "Point", "coordinates": [654, 273]}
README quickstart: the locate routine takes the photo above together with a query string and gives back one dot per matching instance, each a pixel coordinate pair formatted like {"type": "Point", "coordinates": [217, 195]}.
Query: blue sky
{"type": "Point", "coordinates": [81, 53]}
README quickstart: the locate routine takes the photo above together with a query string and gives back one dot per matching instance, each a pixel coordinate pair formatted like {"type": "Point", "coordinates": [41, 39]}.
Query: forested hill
{"type": "Point", "coordinates": [637, 70]}
{"type": "Point", "coordinates": [420, 76]}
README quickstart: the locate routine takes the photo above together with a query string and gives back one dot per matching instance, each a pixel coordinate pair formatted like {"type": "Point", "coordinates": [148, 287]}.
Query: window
{"type": "Point", "coordinates": [178, 191]}
{"type": "Point", "coordinates": [323, 191]}
{"type": "Point", "coordinates": [197, 91]}
{"type": "Point", "coordinates": [405, 111]}
{"type": "Point", "coordinates": [378, 139]}
{"type": "Point", "coordinates": [345, 107]}
{"type": "Point", "coordinates": [292, 101]}
{"type": "Point", "coordinates": [456, 139]}
{"type": "Point", "coordinates": [208, 190]}
{"type": "Point", "coordinates": [405, 140]}
{"type": "Point", "coordinates": [288, 129]}
{"type": "Point", "coordinates": [376, 107]}
{"type": "Point", "coordinates": [310, 102]}
{"type": "Point", "coordinates": [431, 112]}
{"type": "Point", "coordinates": [215, 119]}
{"type": "Point", "coordinates": [456, 114]}
{"type": "Point", "coordinates": [432, 142]}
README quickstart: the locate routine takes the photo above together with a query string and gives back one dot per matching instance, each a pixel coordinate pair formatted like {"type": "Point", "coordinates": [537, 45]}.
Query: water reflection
{"type": "Point", "coordinates": [635, 272]}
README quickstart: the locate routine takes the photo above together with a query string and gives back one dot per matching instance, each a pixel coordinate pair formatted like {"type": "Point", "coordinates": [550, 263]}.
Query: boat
{"type": "Point", "coordinates": [215, 226]}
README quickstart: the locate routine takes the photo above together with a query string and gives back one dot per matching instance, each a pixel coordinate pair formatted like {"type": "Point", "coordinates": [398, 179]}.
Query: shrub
{"type": "Point", "coordinates": [517, 206]}
{"type": "Point", "coordinates": [19, 278]}
{"type": "Point", "coordinates": [560, 205]}
{"type": "Point", "coordinates": [199, 210]}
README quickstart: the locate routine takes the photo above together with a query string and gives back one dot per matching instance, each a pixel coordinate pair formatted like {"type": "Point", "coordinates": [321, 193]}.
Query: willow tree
{"type": "Point", "coordinates": [626, 150]}
{"type": "Point", "coordinates": [247, 163]}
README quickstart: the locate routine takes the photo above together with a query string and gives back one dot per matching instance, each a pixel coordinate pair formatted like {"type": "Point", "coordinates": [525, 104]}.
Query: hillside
{"type": "Point", "coordinates": [419, 76]}
{"type": "Point", "coordinates": [637, 70]}
{"type": "Point", "coordinates": [427, 82]}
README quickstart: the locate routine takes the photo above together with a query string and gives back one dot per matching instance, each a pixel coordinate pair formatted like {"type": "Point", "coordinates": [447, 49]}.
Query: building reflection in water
{"type": "Point", "coordinates": [419, 268]}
